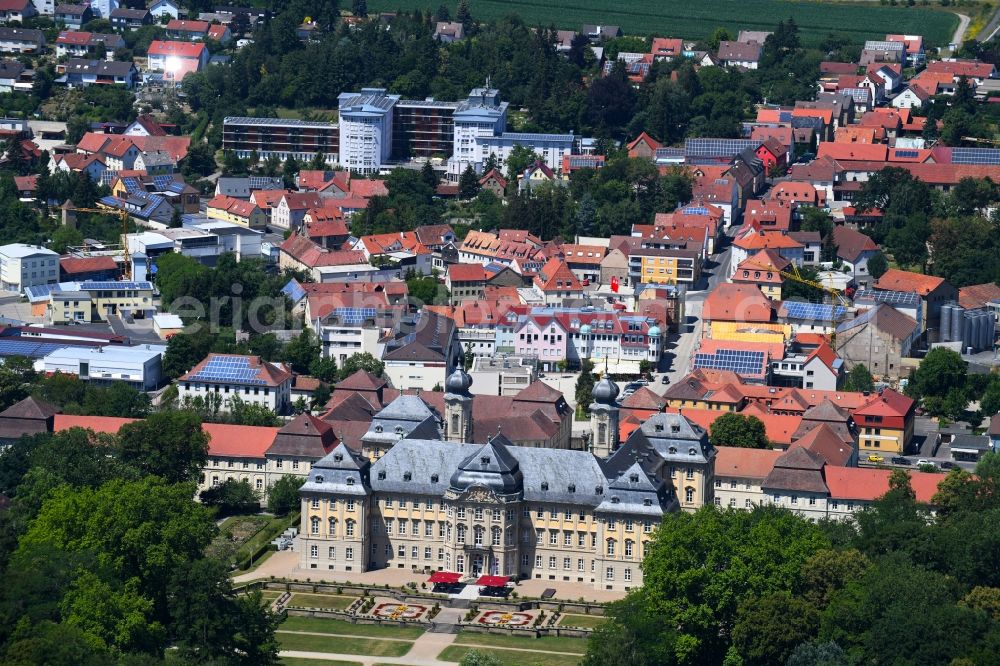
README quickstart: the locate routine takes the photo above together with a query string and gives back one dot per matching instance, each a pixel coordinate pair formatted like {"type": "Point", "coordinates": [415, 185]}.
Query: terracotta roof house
{"type": "Point", "coordinates": [978, 295]}
{"type": "Point", "coordinates": [643, 146]}
{"type": "Point", "coordinates": [557, 282]}
{"type": "Point", "coordinates": [934, 291]}
{"type": "Point", "coordinates": [855, 249]}
{"type": "Point", "coordinates": [30, 416]}
{"type": "Point", "coordinates": [737, 302]}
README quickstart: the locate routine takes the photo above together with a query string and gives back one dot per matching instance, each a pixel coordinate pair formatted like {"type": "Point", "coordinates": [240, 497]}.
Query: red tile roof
{"type": "Point", "coordinates": [867, 152]}
{"type": "Point", "coordinates": [232, 205]}
{"type": "Point", "coordinates": [899, 280]}
{"type": "Point", "coordinates": [555, 275]}
{"type": "Point", "coordinates": [864, 484]}
{"type": "Point", "coordinates": [178, 49]}
{"type": "Point", "coordinates": [76, 265]}
{"type": "Point", "coordinates": [466, 273]}
{"type": "Point", "coordinates": [740, 463]}
{"type": "Point", "coordinates": [737, 302]}
{"type": "Point", "coordinates": [978, 295]}
{"type": "Point", "coordinates": [888, 403]}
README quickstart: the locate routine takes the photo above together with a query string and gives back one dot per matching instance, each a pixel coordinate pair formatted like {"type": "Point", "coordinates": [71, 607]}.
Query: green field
{"type": "Point", "coordinates": [697, 20]}
{"type": "Point", "coordinates": [325, 626]}
{"type": "Point", "coordinates": [341, 645]}
{"type": "Point", "coordinates": [293, 661]}
{"type": "Point", "coordinates": [512, 657]}
{"type": "Point", "coordinates": [585, 621]}
{"type": "Point", "coordinates": [544, 643]}
{"type": "Point", "coordinates": [307, 600]}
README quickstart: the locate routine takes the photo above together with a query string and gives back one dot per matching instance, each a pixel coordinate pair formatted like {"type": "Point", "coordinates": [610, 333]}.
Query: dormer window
{"type": "Point", "coordinates": [691, 451]}
{"type": "Point", "coordinates": [381, 476]}
{"type": "Point", "coordinates": [599, 490]}
{"type": "Point", "coordinates": [318, 478]}
{"type": "Point", "coordinates": [672, 450]}
{"type": "Point", "coordinates": [647, 502]}
{"type": "Point", "coordinates": [545, 485]}
{"type": "Point", "coordinates": [407, 476]}
{"type": "Point", "coordinates": [615, 500]}
{"type": "Point", "coordinates": [350, 481]}
{"type": "Point", "coordinates": [434, 478]}
{"type": "Point", "coordinates": [338, 457]}
{"type": "Point", "coordinates": [378, 428]}
{"type": "Point", "coordinates": [675, 427]}
{"type": "Point", "coordinates": [658, 427]}
{"type": "Point", "coordinates": [572, 488]}
{"type": "Point", "coordinates": [399, 430]}
{"type": "Point", "coordinates": [485, 460]}
{"type": "Point", "coordinates": [633, 478]}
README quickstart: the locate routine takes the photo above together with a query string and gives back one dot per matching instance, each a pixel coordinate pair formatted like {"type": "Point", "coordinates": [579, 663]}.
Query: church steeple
{"type": "Point", "coordinates": [458, 407]}
{"type": "Point", "coordinates": [604, 417]}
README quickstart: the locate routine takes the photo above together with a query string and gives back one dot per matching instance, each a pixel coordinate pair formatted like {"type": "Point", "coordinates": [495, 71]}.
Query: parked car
{"type": "Point", "coordinates": [665, 380]}
{"type": "Point", "coordinates": [899, 460]}
{"type": "Point", "coordinates": [875, 458]}
{"type": "Point", "coordinates": [947, 464]}
{"type": "Point", "coordinates": [924, 461]}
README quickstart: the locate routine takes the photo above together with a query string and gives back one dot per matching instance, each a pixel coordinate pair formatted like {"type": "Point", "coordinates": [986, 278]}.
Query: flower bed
{"type": "Point", "coordinates": [395, 611]}
{"type": "Point", "coordinates": [504, 619]}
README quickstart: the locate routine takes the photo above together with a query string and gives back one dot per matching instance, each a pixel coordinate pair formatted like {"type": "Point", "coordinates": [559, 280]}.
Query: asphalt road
{"type": "Point", "coordinates": [990, 30]}
{"type": "Point", "coordinates": [681, 347]}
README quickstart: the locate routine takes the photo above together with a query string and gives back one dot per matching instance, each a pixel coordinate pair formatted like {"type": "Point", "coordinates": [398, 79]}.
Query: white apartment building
{"type": "Point", "coordinates": [230, 375]}
{"type": "Point", "coordinates": [365, 126]}
{"type": "Point", "coordinates": [550, 147]}
{"type": "Point", "coordinates": [26, 266]}
{"type": "Point", "coordinates": [140, 367]}
{"type": "Point", "coordinates": [348, 331]}
{"type": "Point", "coordinates": [480, 116]}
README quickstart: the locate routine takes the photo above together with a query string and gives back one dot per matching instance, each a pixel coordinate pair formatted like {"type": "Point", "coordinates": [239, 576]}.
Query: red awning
{"type": "Point", "coordinates": [492, 581]}
{"type": "Point", "coordinates": [446, 577]}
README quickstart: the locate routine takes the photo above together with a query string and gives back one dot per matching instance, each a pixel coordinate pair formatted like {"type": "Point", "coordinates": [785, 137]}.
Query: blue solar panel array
{"type": "Point", "coordinates": [115, 285]}
{"type": "Point", "coordinates": [354, 316]}
{"type": "Point", "coordinates": [229, 369]}
{"type": "Point", "coordinates": [988, 156]}
{"type": "Point", "coordinates": [907, 298]}
{"type": "Point", "coordinates": [28, 348]}
{"type": "Point", "coordinates": [717, 147]}
{"type": "Point", "coordinates": [739, 361]}
{"type": "Point", "coordinates": [813, 311]}
{"type": "Point", "coordinates": [906, 153]}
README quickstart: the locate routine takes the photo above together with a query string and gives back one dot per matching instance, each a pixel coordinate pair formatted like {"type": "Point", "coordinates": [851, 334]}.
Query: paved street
{"type": "Point", "coordinates": [681, 347]}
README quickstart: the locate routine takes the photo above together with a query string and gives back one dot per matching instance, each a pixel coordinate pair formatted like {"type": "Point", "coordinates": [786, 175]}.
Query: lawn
{"type": "Point", "coordinates": [323, 625]}
{"type": "Point", "coordinates": [857, 21]}
{"type": "Point", "coordinates": [270, 595]}
{"type": "Point", "coordinates": [239, 536]}
{"type": "Point", "coordinates": [585, 621]}
{"type": "Point", "coordinates": [307, 600]}
{"type": "Point", "coordinates": [341, 645]}
{"type": "Point", "coordinates": [544, 643]}
{"type": "Point", "coordinates": [512, 657]}
{"type": "Point", "coordinates": [295, 661]}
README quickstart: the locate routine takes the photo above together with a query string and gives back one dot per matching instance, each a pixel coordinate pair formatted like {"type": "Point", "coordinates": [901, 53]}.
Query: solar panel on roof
{"type": "Point", "coordinates": [229, 369]}
{"type": "Point", "coordinates": [717, 147]}
{"type": "Point", "coordinates": [906, 153]}
{"type": "Point", "coordinates": [813, 311]}
{"type": "Point", "coordinates": [354, 316]}
{"type": "Point", "coordinates": [987, 156]}
{"type": "Point", "coordinates": [888, 297]}
{"type": "Point", "coordinates": [740, 361]}
{"type": "Point", "coordinates": [28, 348]}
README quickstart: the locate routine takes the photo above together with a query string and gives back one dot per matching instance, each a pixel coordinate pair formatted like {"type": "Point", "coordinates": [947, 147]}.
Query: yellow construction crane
{"type": "Point", "coordinates": [124, 216]}
{"type": "Point", "coordinates": [836, 295]}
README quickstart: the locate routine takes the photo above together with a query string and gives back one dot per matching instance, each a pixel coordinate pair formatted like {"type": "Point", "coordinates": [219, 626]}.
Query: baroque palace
{"type": "Point", "coordinates": [492, 507]}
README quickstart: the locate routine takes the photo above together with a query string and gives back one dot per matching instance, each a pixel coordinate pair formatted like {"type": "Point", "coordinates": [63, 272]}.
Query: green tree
{"type": "Point", "coordinates": [632, 635]}
{"type": "Point", "coordinates": [61, 388]}
{"type": "Point", "coordinates": [877, 265]}
{"type": "Point", "coordinates": [585, 385]}
{"type": "Point", "coordinates": [423, 289]}
{"type": "Point", "coordinates": [429, 176]}
{"type": "Point", "coordinates": [700, 567]}
{"type": "Point", "coordinates": [324, 369]}
{"type": "Point", "coordinates": [55, 645]}
{"type": "Point", "coordinates": [859, 379]}
{"type": "Point", "coordinates": [243, 412]}
{"type": "Point", "coordinates": [199, 162]}
{"type": "Point", "coordinates": [521, 157]}
{"type": "Point", "coordinates": [464, 15]}
{"type": "Point", "coordinates": [898, 612]}
{"type": "Point", "coordinates": [231, 496]}
{"type": "Point", "coordinates": [479, 658]}
{"type": "Point", "coordinates": [828, 571]}
{"type": "Point", "coordinates": [738, 430]}
{"type": "Point", "coordinates": [362, 361]}
{"type": "Point", "coordinates": [359, 7]}
{"type": "Point", "coordinates": [768, 628]}
{"type": "Point", "coordinates": [468, 183]}
{"type": "Point", "coordinates": [171, 445]}
{"type": "Point", "coordinates": [283, 496]}
{"type": "Point", "coordinates": [119, 399]}
{"type": "Point", "coordinates": [815, 653]}
{"type": "Point", "coordinates": [302, 350]}
{"type": "Point", "coordinates": [16, 377]}
{"type": "Point", "coordinates": [986, 599]}
{"type": "Point", "coordinates": [938, 373]}
{"type": "Point", "coordinates": [320, 396]}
